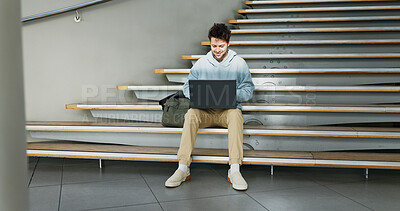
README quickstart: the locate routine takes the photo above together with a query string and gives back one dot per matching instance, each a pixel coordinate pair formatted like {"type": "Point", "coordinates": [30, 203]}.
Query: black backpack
{"type": "Point", "coordinates": [174, 108]}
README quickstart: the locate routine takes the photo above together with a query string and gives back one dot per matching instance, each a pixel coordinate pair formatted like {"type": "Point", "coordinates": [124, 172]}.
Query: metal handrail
{"type": "Point", "coordinates": [62, 10]}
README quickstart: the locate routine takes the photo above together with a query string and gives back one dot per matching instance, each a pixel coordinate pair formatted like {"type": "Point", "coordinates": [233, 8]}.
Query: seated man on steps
{"type": "Point", "coordinates": [219, 64]}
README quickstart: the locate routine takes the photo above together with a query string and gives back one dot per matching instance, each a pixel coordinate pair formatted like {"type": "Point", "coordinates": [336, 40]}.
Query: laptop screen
{"type": "Point", "coordinates": [206, 94]}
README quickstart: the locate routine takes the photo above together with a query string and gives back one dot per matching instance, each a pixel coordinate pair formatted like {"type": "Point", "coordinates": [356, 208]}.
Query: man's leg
{"type": "Point", "coordinates": [234, 123]}
{"type": "Point", "coordinates": [194, 119]}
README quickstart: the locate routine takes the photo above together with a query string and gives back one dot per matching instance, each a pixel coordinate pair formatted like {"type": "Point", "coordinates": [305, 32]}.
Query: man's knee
{"type": "Point", "coordinates": [192, 115]}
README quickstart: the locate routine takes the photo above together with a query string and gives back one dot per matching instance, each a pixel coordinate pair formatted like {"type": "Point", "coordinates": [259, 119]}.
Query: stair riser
{"type": "Point", "coordinates": [300, 97]}
{"type": "Point", "coordinates": [135, 115]}
{"type": "Point", "coordinates": [362, 13]}
{"type": "Point", "coordinates": [394, 23]}
{"type": "Point", "coordinates": [316, 36]}
{"type": "Point", "coordinates": [321, 63]}
{"type": "Point", "coordinates": [326, 97]}
{"type": "Point", "coordinates": [307, 79]}
{"type": "Point", "coordinates": [221, 141]}
{"type": "Point", "coordinates": [325, 4]}
{"type": "Point", "coordinates": [264, 118]}
{"type": "Point", "coordinates": [315, 49]}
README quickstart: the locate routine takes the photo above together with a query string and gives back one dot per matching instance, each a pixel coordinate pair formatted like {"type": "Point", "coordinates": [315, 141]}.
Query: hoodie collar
{"type": "Point", "coordinates": [227, 60]}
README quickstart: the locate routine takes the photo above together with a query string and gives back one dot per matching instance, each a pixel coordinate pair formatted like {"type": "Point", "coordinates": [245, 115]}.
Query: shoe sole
{"type": "Point", "coordinates": [236, 187]}
{"type": "Point", "coordinates": [177, 184]}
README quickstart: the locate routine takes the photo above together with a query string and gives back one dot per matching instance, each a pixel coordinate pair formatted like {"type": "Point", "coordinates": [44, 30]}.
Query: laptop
{"type": "Point", "coordinates": [207, 94]}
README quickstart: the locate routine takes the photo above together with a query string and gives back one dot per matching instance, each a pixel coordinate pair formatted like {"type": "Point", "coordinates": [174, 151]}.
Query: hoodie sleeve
{"type": "Point", "coordinates": [245, 86]}
{"type": "Point", "coordinates": [193, 75]}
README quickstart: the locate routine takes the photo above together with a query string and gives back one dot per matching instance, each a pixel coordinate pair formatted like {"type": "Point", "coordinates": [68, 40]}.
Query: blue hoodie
{"type": "Point", "coordinates": [232, 67]}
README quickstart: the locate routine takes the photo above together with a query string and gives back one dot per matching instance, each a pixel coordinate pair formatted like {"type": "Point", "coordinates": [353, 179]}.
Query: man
{"type": "Point", "coordinates": [219, 64]}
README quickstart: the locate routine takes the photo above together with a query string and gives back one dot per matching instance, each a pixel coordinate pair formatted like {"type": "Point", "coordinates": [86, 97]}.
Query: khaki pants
{"type": "Point", "coordinates": [202, 118]}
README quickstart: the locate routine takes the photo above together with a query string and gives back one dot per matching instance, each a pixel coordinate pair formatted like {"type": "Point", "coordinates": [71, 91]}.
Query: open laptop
{"type": "Point", "coordinates": [206, 94]}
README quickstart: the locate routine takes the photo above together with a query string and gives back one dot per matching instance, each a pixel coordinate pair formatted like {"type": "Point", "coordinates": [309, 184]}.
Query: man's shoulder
{"type": "Point", "coordinates": [239, 61]}
{"type": "Point", "coordinates": [199, 65]}
{"type": "Point", "coordinates": [236, 58]}
{"type": "Point", "coordinates": [203, 59]}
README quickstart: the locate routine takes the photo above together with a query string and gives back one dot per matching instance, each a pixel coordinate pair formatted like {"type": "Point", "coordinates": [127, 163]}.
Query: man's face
{"type": "Point", "coordinates": [219, 48]}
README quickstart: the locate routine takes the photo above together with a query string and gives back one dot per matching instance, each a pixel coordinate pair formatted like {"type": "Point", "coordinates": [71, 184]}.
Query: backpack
{"type": "Point", "coordinates": [174, 108]}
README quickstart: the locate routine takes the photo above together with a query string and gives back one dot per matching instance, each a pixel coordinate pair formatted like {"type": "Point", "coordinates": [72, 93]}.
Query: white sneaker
{"type": "Point", "coordinates": [237, 180]}
{"type": "Point", "coordinates": [177, 178]}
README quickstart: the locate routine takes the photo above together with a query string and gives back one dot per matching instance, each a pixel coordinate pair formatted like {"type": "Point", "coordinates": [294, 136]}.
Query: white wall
{"type": "Point", "coordinates": [117, 43]}
{"type": "Point", "coordinates": [13, 171]}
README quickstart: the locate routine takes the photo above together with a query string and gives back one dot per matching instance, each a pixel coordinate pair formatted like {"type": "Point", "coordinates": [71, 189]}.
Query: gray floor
{"type": "Point", "coordinates": [76, 184]}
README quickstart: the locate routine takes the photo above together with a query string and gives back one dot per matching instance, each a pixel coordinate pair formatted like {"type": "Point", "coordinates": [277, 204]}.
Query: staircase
{"type": "Point", "coordinates": [326, 74]}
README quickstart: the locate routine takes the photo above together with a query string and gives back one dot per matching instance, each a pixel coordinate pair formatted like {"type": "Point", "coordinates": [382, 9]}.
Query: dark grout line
{"type": "Point", "coordinates": [108, 180]}
{"type": "Point", "coordinates": [288, 188]}
{"type": "Point", "coordinates": [33, 172]}
{"type": "Point", "coordinates": [257, 201]}
{"type": "Point", "coordinates": [218, 173]}
{"type": "Point", "coordinates": [314, 179]}
{"type": "Point", "coordinates": [308, 187]}
{"type": "Point", "coordinates": [205, 197]}
{"type": "Point", "coordinates": [129, 205]}
{"type": "Point", "coordinates": [161, 207]}
{"type": "Point", "coordinates": [348, 198]}
{"type": "Point", "coordinates": [336, 183]}
{"type": "Point", "coordinates": [62, 174]}
{"type": "Point", "coordinates": [50, 158]}
{"type": "Point", "coordinates": [140, 172]}
{"type": "Point", "coordinates": [41, 186]}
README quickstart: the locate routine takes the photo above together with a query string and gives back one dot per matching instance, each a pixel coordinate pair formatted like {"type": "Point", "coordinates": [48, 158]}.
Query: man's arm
{"type": "Point", "coordinates": [244, 91]}
{"type": "Point", "coordinates": [193, 75]}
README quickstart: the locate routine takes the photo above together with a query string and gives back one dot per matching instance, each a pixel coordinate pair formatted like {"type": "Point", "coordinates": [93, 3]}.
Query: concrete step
{"type": "Point", "coordinates": [318, 77]}
{"type": "Point", "coordinates": [324, 20]}
{"type": "Point", "coordinates": [63, 149]}
{"type": "Point", "coordinates": [314, 30]}
{"type": "Point", "coordinates": [330, 19]}
{"type": "Point", "coordinates": [259, 113]}
{"type": "Point", "coordinates": [311, 42]}
{"type": "Point", "coordinates": [319, 9]}
{"type": "Point", "coordinates": [251, 3]}
{"type": "Point", "coordinates": [293, 94]}
{"type": "Point", "coordinates": [298, 71]}
{"type": "Point", "coordinates": [308, 56]}
{"type": "Point", "coordinates": [256, 137]}
{"type": "Point", "coordinates": [315, 60]}
{"type": "Point", "coordinates": [261, 88]}
{"type": "Point", "coordinates": [315, 49]}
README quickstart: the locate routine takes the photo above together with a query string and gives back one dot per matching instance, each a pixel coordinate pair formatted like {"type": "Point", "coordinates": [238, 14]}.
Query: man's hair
{"type": "Point", "coordinates": [220, 31]}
